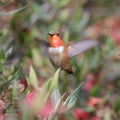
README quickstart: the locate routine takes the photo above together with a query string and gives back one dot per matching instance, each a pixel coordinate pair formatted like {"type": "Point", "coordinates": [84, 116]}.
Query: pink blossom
{"type": "Point", "coordinates": [93, 101]}
{"type": "Point", "coordinates": [29, 98]}
{"type": "Point", "coordinates": [80, 114]}
{"type": "Point", "coordinates": [95, 118]}
{"type": "Point", "coordinates": [90, 82]}
{"type": "Point", "coordinates": [116, 36]}
{"type": "Point", "coordinates": [115, 30]}
{"type": "Point", "coordinates": [2, 117]}
{"type": "Point", "coordinates": [45, 111]}
{"type": "Point", "coordinates": [2, 105]}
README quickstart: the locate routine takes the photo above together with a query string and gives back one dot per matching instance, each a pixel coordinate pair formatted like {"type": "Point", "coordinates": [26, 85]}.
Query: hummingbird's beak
{"type": "Point", "coordinates": [50, 34]}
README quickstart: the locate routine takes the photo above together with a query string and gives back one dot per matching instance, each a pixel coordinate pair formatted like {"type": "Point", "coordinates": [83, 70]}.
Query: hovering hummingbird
{"type": "Point", "coordinates": [59, 53]}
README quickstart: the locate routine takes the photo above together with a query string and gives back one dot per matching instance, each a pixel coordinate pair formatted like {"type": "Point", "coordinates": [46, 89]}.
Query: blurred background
{"type": "Point", "coordinates": [24, 27]}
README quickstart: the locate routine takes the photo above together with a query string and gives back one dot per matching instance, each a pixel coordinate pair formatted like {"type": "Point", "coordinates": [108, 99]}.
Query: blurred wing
{"type": "Point", "coordinates": [80, 46]}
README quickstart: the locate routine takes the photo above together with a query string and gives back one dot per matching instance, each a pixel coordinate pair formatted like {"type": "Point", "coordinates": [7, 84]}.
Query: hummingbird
{"type": "Point", "coordinates": [60, 53]}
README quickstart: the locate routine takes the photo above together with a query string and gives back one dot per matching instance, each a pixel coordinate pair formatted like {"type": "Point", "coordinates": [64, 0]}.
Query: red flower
{"type": "Point", "coordinates": [115, 30]}
{"type": "Point", "coordinates": [93, 101]}
{"type": "Point", "coordinates": [2, 117]}
{"type": "Point", "coordinates": [22, 85]}
{"type": "Point", "coordinates": [116, 23]}
{"type": "Point", "coordinates": [80, 114]}
{"type": "Point", "coordinates": [90, 82]}
{"type": "Point", "coordinates": [45, 111]}
{"type": "Point", "coordinates": [26, 30]}
{"type": "Point", "coordinates": [115, 34]}
{"type": "Point", "coordinates": [95, 118]}
{"type": "Point", "coordinates": [29, 98]}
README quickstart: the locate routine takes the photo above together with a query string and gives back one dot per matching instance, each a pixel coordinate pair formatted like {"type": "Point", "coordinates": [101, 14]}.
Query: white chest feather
{"type": "Point", "coordinates": [55, 55]}
{"type": "Point", "coordinates": [55, 51]}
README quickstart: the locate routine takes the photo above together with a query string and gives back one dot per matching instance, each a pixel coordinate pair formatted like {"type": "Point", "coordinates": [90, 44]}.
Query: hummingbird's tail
{"type": "Point", "coordinates": [68, 69]}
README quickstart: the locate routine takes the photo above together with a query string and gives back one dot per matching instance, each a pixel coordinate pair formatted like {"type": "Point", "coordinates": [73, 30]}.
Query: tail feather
{"type": "Point", "coordinates": [68, 69]}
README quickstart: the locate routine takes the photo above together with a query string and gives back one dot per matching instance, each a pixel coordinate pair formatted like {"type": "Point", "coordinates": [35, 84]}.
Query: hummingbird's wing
{"type": "Point", "coordinates": [80, 46]}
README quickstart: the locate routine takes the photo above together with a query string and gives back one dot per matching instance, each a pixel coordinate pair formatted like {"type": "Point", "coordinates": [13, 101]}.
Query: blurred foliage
{"type": "Point", "coordinates": [24, 26]}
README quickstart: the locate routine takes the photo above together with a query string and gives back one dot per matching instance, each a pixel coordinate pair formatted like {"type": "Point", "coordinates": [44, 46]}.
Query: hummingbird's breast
{"type": "Point", "coordinates": [59, 58]}
{"type": "Point", "coordinates": [55, 51]}
{"type": "Point", "coordinates": [56, 55]}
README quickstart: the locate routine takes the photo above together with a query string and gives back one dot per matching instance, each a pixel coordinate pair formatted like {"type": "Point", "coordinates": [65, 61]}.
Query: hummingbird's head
{"type": "Point", "coordinates": [54, 39]}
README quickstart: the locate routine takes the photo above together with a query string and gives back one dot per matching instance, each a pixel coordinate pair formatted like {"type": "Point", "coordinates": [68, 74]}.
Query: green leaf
{"type": "Point", "coordinates": [8, 52]}
{"type": "Point", "coordinates": [71, 99]}
{"type": "Point", "coordinates": [37, 59]}
{"type": "Point", "coordinates": [12, 12]}
{"type": "Point", "coordinates": [33, 78]}
{"type": "Point", "coordinates": [116, 104]}
{"type": "Point", "coordinates": [2, 56]}
{"type": "Point", "coordinates": [55, 96]}
{"type": "Point", "coordinates": [50, 84]}
{"type": "Point", "coordinates": [16, 76]}
{"type": "Point", "coordinates": [3, 32]}
{"type": "Point", "coordinates": [95, 90]}
{"type": "Point", "coordinates": [45, 91]}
